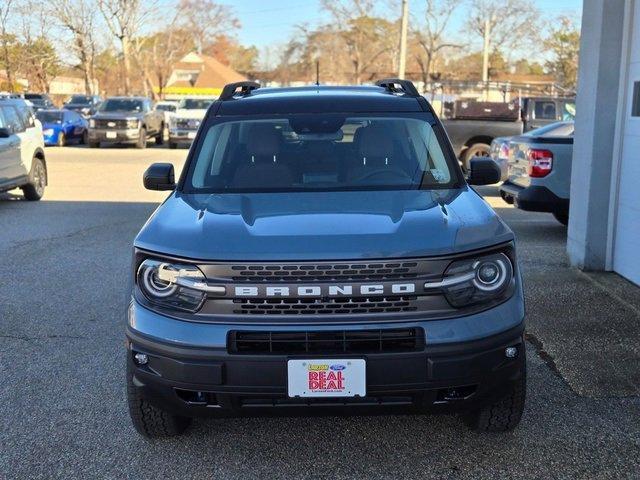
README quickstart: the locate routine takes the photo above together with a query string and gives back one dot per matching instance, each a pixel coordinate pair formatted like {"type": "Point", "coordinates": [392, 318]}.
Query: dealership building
{"type": "Point", "coordinates": [604, 223]}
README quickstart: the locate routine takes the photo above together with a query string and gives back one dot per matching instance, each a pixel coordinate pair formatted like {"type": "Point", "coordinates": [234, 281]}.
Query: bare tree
{"type": "Point", "coordinates": [206, 19]}
{"type": "Point", "coordinates": [78, 18]}
{"type": "Point", "coordinates": [5, 39]}
{"type": "Point", "coordinates": [364, 35]}
{"type": "Point", "coordinates": [430, 35]}
{"type": "Point", "coordinates": [125, 18]}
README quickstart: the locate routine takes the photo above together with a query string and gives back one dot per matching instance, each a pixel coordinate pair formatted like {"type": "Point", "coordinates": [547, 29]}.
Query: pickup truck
{"type": "Point", "coordinates": [539, 170]}
{"type": "Point", "coordinates": [471, 135]}
{"type": "Point", "coordinates": [130, 120]}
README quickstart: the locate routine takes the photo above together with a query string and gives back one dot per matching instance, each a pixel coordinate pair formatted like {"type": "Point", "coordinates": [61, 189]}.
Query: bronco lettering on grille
{"type": "Point", "coordinates": [325, 290]}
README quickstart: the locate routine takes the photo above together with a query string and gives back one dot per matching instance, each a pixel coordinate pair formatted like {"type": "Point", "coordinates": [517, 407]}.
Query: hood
{"type": "Point", "coordinates": [52, 126]}
{"type": "Point", "coordinates": [322, 226]}
{"type": "Point", "coordinates": [117, 115]}
{"type": "Point", "coordinates": [190, 113]}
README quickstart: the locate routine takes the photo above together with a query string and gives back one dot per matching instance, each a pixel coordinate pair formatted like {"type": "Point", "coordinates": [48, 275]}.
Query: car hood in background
{"type": "Point", "coordinates": [117, 115]}
{"type": "Point", "coordinates": [322, 226]}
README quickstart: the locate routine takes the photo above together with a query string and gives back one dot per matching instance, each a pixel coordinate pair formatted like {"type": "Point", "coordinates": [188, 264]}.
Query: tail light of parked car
{"type": "Point", "coordinates": [540, 162]}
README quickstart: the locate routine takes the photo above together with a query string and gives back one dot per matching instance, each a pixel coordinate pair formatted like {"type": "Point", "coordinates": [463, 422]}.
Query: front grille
{"type": "Point", "coordinates": [326, 343]}
{"type": "Point", "coordinates": [187, 123]}
{"type": "Point", "coordinates": [325, 272]}
{"type": "Point", "coordinates": [118, 124]}
{"type": "Point", "coordinates": [330, 306]}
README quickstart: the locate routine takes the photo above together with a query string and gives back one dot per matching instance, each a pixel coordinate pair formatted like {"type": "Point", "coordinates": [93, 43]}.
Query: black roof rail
{"type": "Point", "coordinates": [230, 89]}
{"type": "Point", "coordinates": [406, 86]}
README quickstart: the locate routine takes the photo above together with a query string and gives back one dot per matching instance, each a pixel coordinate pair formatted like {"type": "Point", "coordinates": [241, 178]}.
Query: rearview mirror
{"type": "Point", "coordinates": [159, 176]}
{"type": "Point", "coordinates": [5, 132]}
{"type": "Point", "coordinates": [483, 171]}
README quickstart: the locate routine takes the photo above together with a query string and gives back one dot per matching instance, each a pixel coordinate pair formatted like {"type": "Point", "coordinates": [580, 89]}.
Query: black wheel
{"type": "Point", "coordinates": [62, 141]}
{"type": "Point", "coordinates": [475, 150]}
{"type": "Point", "coordinates": [85, 138]}
{"type": "Point", "coordinates": [34, 190]}
{"type": "Point", "coordinates": [160, 136]}
{"type": "Point", "coordinates": [504, 414]}
{"type": "Point", "coordinates": [94, 144]}
{"type": "Point", "coordinates": [173, 145]}
{"type": "Point", "coordinates": [149, 420]}
{"type": "Point", "coordinates": [142, 140]}
{"type": "Point", "coordinates": [562, 217]}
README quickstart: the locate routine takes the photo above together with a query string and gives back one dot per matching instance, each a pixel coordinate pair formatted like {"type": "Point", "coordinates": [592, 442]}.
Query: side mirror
{"type": "Point", "coordinates": [5, 132]}
{"type": "Point", "coordinates": [159, 176]}
{"type": "Point", "coordinates": [483, 171]}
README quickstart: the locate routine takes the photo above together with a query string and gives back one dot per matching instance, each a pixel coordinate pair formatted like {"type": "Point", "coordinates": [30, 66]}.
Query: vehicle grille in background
{"type": "Point", "coordinates": [331, 342]}
{"type": "Point", "coordinates": [330, 306]}
{"type": "Point", "coordinates": [187, 123]}
{"type": "Point", "coordinates": [325, 272]}
{"type": "Point", "coordinates": [118, 124]}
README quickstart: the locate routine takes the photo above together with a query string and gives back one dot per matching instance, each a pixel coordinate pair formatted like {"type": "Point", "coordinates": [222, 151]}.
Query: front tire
{"type": "Point", "coordinates": [160, 136]}
{"type": "Point", "coordinates": [149, 420]}
{"type": "Point", "coordinates": [503, 414]}
{"type": "Point", "coordinates": [475, 150]}
{"type": "Point", "coordinates": [142, 140]}
{"type": "Point", "coordinates": [34, 190]}
{"type": "Point", "coordinates": [173, 145]}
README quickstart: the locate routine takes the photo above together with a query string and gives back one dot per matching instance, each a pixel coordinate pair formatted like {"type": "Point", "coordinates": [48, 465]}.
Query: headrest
{"type": "Point", "coordinates": [264, 141]}
{"type": "Point", "coordinates": [374, 141]}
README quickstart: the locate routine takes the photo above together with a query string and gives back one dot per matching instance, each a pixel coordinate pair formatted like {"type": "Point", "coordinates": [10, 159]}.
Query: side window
{"type": "Point", "coordinates": [12, 118]}
{"type": "Point", "coordinates": [3, 123]}
{"type": "Point", "coordinates": [545, 110]}
{"type": "Point", "coordinates": [26, 116]}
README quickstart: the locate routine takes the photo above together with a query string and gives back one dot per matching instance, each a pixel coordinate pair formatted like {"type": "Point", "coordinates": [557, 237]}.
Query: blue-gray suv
{"type": "Point", "coordinates": [322, 251]}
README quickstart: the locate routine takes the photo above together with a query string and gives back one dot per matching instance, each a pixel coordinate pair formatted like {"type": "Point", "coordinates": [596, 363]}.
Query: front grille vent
{"type": "Point", "coordinates": [326, 343]}
{"type": "Point", "coordinates": [331, 306]}
{"type": "Point", "coordinates": [325, 272]}
{"type": "Point", "coordinates": [103, 123]}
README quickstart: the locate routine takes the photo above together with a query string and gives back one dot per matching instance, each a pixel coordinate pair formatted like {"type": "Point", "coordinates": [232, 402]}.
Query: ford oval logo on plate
{"type": "Point", "coordinates": [337, 367]}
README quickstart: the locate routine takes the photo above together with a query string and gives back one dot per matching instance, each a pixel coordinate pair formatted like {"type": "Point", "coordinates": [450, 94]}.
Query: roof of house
{"type": "Point", "coordinates": [212, 73]}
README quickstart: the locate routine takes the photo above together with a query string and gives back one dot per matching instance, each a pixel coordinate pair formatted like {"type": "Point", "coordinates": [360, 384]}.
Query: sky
{"type": "Point", "coordinates": [272, 23]}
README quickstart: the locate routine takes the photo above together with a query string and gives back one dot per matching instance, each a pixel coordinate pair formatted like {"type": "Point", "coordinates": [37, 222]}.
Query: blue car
{"type": "Point", "coordinates": [60, 127]}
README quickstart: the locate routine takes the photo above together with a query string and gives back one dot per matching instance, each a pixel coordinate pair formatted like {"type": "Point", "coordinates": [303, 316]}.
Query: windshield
{"type": "Point", "coordinates": [320, 152]}
{"type": "Point", "coordinates": [194, 104]}
{"type": "Point", "coordinates": [49, 117]}
{"type": "Point", "coordinates": [121, 105]}
{"type": "Point", "coordinates": [166, 108]}
{"type": "Point", "coordinates": [558, 129]}
{"type": "Point", "coordinates": [80, 99]}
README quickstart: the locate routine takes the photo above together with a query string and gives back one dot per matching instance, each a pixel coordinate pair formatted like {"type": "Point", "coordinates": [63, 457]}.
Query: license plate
{"type": "Point", "coordinates": [327, 378]}
{"type": "Point", "coordinates": [191, 135]}
{"type": "Point", "coordinates": [112, 135]}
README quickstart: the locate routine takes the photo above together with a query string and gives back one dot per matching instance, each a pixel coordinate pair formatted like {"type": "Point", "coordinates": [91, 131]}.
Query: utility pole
{"type": "Point", "coordinates": [404, 25]}
{"type": "Point", "coordinates": [485, 57]}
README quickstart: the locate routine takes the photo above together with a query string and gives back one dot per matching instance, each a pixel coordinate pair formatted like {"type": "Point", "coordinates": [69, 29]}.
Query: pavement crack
{"type": "Point", "coordinates": [546, 357]}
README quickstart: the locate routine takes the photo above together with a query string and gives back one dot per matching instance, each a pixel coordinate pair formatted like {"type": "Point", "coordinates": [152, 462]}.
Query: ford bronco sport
{"type": "Point", "coordinates": [322, 251]}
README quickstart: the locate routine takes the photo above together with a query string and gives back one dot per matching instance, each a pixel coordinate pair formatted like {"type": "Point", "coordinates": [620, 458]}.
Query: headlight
{"type": "Point", "coordinates": [476, 280]}
{"type": "Point", "coordinates": [92, 123]}
{"type": "Point", "coordinates": [132, 123]}
{"type": "Point", "coordinates": [174, 286]}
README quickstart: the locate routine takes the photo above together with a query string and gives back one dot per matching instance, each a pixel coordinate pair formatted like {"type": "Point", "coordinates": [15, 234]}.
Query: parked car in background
{"type": "Point", "coordinates": [472, 126]}
{"type": "Point", "coordinates": [168, 109]}
{"type": "Point", "coordinates": [60, 127]}
{"type": "Point", "coordinates": [22, 160]}
{"type": "Point", "coordinates": [39, 100]}
{"type": "Point", "coordinates": [187, 119]}
{"type": "Point", "coordinates": [84, 104]}
{"type": "Point", "coordinates": [499, 150]}
{"type": "Point", "coordinates": [129, 120]}
{"type": "Point", "coordinates": [539, 178]}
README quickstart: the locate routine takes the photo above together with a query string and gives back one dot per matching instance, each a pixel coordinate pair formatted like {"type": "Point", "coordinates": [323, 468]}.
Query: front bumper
{"type": "Point", "coordinates": [535, 198]}
{"type": "Point", "coordinates": [181, 135]}
{"type": "Point", "coordinates": [114, 135]}
{"type": "Point", "coordinates": [462, 365]}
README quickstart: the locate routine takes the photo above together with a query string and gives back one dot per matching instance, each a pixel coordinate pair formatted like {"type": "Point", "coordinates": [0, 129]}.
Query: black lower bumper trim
{"type": "Point", "coordinates": [534, 198]}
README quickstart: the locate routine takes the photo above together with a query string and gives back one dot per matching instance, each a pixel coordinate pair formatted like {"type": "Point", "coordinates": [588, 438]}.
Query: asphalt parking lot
{"type": "Point", "coordinates": [62, 395]}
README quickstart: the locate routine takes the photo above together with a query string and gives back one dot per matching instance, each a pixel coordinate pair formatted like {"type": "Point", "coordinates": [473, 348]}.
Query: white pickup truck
{"type": "Point", "coordinates": [186, 120]}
